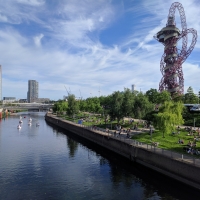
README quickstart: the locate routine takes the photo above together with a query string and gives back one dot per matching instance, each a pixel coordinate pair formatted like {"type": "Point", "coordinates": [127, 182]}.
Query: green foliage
{"type": "Point", "coordinates": [116, 102]}
{"type": "Point", "coordinates": [83, 105]}
{"type": "Point", "coordinates": [170, 115]}
{"type": "Point", "coordinates": [191, 117]}
{"type": "Point", "coordinates": [153, 96]}
{"type": "Point", "coordinates": [128, 102]}
{"type": "Point", "coordinates": [170, 142]}
{"type": "Point", "coordinates": [164, 96]}
{"type": "Point", "coordinates": [177, 97]}
{"type": "Point", "coordinates": [60, 106]}
{"type": "Point", "coordinates": [73, 105]}
{"type": "Point", "coordinates": [190, 97]}
{"type": "Point", "coordinates": [93, 105]}
{"type": "Point", "coordinates": [142, 106]}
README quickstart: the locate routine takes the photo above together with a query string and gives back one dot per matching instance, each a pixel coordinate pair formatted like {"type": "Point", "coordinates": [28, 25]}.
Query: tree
{"type": "Point", "coordinates": [177, 97]}
{"type": "Point", "coordinates": [83, 105]}
{"type": "Point", "coordinates": [73, 106]}
{"type": "Point", "coordinates": [60, 106]}
{"type": "Point", "coordinates": [93, 105]}
{"type": "Point", "coordinates": [164, 96]}
{"type": "Point", "coordinates": [142, 106]}
{"type": "Point", "coordinates": [190, 97]}
{"type": "Point", "coordinates": [115, 110]}
{"type": "Point", "coordinates": [128, 102]}
{"type": "Point", "coordinates": [153, 95]}
{"type": "Point", "coordinates": [170, 115]}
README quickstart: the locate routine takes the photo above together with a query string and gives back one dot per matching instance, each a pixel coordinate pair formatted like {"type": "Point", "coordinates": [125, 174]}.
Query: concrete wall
{"type": "Point", "coordinates": [186, 173]}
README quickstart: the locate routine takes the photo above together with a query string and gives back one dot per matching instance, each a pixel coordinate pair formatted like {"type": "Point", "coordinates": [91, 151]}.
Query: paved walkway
{"type": "Point", "coordinates": [123, 137]}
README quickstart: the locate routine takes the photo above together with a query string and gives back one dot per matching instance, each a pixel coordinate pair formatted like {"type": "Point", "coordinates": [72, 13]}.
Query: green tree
{"type": "Point", "coordinates": [153, 95]}
{"type": "Point", "coordinates": [177, 97]}
{"type": "Point", "coordinates": [73, 105]}
{"type": "Point", "coordinates": [93, 105]}
{"type": "Point", "coordinates": [142, 106]}
{"type": "Point", "coordinates": [164, 96]}
{"type": "Point", "coordinates": [170, 115]}
{"type": "Point", "coordinates": [83, 105]}
{"type": "Point", "coordinates": [128, 102]}
{"type": "Point", "coordinates": [115, 106]}
{"type": "Point", "coordinates": [190, 97]}
{"type": "Point", "coordinates": [60, 106]}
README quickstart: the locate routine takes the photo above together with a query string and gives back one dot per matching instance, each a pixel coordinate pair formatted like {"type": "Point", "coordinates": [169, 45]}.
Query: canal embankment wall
{"type": "Point", "coordinates": [174, 168]}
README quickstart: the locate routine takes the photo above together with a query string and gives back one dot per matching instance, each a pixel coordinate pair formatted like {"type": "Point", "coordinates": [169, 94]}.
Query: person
{"type": "Point", "coordinates": [182, 141]}
{"type": "Point", "coordinates": [189, 143]}
{"type": "Point", "coordinates": [189, 150]}
{"type": "Point", "coordinates": [115, 133]}
{"type": "Point", "coordinates": [128, 135]}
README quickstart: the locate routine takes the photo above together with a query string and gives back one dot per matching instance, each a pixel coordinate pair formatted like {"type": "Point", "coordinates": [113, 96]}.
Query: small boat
{"type": "Point", "coordinates": [29, 123]}
{"type": "Point", "coordinates": [20, 121]}
{"type": "Point", "coordinates": [37, 124]}
{"type": "Point", "coordinates": [19, 126]}
{"type": "Point", "coordinates": [30, 120]}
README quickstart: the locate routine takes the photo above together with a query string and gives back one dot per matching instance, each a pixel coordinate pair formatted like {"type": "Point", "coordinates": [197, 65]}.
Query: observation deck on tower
{"type": "Point", "coordinates": [172, 59]}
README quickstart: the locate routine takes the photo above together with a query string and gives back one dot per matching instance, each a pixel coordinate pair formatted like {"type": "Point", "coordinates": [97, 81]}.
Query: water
{"type": "Point", "coordinates": [44, 162]}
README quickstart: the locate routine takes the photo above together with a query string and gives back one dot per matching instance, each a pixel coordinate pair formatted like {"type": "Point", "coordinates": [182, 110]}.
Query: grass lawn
{"type": "Point", "coordinates": [169, 142]}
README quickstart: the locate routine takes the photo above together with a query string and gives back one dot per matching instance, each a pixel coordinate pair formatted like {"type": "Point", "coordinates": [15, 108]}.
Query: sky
{"type": "Point", "coordinates": [88, 47]}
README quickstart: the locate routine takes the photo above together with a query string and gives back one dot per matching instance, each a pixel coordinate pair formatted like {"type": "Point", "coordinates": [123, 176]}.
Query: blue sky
{"type": "Point", "coordinates": [90, 47]}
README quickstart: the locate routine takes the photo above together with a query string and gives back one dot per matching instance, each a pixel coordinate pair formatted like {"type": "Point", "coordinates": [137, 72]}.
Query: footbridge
{"type": "Point", "coordinates": [28, 106]}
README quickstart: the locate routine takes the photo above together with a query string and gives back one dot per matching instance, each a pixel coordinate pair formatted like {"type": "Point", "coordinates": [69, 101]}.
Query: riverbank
{"type": "Point", "coordinates": [165, 162]}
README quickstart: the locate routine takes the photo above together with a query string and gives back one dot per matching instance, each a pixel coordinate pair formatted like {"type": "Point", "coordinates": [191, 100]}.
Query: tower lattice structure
{"type": "Point", "coordinates": [173, 58]}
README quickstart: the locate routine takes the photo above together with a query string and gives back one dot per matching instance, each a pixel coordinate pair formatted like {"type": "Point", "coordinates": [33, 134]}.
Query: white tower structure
{"type": "Point", "coordinates": [133, 88]}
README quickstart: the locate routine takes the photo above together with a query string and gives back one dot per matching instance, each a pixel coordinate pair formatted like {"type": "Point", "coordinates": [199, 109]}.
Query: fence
{"type": "Point", "coordinates": [189, 159]}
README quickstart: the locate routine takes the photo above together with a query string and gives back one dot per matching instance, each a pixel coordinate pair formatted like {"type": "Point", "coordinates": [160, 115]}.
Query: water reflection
{"type": "Point", "coordinates": [72, 146]}
{"type": "Point", "coordinates": [49, 163]}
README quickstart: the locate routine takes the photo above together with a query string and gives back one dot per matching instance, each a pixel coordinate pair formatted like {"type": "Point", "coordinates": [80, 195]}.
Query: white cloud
{"type": "Point", "coordinates": [71, 52]}
{"type": "Point", "coordinates": [37, 40]}
{"type": "Point", "coordinates": [3, 18]}
{"type": "Point", "coordinates": [32, 2]}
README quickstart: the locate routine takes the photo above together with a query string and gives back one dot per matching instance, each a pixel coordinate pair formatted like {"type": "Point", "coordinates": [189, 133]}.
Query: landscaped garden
{"type": "Point", "coordinates": [154, 108]}
{"type": "Point", "coordinates": [169, 141]}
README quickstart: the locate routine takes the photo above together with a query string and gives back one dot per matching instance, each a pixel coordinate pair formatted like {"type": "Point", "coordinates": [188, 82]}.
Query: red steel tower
{"type": "Point", "coordinates": [172, 59]}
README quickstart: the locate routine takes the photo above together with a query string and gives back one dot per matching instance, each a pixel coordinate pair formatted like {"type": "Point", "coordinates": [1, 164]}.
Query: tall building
{"type": "Point", "coordinates": [32, 94]}
{"type": "Point", "coordinates": [133, 88]}
{"type": "Point", "coordinates": [0, 83]}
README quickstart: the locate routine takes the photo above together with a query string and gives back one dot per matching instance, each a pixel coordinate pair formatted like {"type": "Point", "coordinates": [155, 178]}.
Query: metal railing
{"type": "Point", "coordinates": [189, 159]}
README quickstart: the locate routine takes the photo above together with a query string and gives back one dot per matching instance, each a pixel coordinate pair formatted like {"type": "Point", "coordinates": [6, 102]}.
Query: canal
{"type": "Point", "coordinates": [44, 162]}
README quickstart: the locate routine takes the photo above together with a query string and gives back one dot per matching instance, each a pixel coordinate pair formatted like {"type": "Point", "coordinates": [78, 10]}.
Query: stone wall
{"type": "Point", "coordinates": [176, 169]}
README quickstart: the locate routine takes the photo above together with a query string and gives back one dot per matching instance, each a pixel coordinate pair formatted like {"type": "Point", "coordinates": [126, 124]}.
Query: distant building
{"type": "Point", "coordinates": [33, 88]}
{"type": "Point", "coordinates": [9, 99]}
{"type": "Point", "coordinates": [0, 83]}
{"type": "Point", "coordinates": [133, 88]}
{"type": "Point", "coordinates": [42, 100]}
{"type": "Point", "coordinates": [23, 101]}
